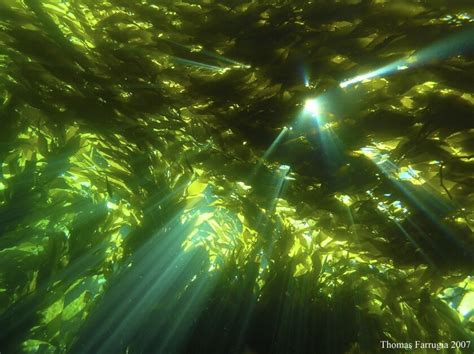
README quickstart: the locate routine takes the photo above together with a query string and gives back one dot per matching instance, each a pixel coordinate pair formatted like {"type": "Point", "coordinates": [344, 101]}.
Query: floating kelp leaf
{"type": "Point", "coordinates": [35, 346]}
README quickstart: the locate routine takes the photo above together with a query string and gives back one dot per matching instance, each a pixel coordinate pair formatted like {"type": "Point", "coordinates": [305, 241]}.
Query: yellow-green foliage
{"type": "Point", "coordinates": [118, 117]}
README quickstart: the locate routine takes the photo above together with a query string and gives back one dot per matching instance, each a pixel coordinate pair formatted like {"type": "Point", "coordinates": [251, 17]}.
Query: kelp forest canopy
{"type": "Point", "coordinates": [236, 176]}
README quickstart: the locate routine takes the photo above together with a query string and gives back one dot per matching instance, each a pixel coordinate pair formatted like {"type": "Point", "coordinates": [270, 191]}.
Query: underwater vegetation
{"type": "Point", "coordinates": [236, 176]}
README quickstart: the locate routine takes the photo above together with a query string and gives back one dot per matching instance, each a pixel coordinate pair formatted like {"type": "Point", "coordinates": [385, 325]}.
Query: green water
{"type": "Point", "coordinates": [236, 177]}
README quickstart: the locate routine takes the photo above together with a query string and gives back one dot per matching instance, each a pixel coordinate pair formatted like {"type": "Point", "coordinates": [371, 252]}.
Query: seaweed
{"type": "Point", "coordinates": [162, 189]}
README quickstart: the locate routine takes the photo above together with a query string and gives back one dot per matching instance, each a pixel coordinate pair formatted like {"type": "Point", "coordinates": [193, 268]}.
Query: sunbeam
{"type": "Point", "coordinates": [454, 45]}
{"type": "Point", "coordinates": [200, 50]}
{"type": "Point", "coordinates": [271, 149]}
{"type": "Point", "coordinates": [159, 270]}
{"type": "Point", "coordinates": [200, 65]}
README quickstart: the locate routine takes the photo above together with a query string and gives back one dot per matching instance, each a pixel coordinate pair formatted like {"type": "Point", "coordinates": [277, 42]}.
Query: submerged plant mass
{"type": "Point", "coordinates": [236, 177]}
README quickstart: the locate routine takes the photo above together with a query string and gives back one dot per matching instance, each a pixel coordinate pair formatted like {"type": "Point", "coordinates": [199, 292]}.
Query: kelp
{"type": "Point", "coordinates": [140, 210]}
